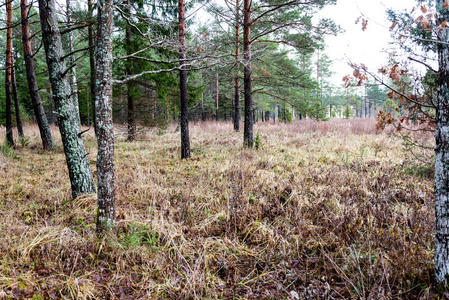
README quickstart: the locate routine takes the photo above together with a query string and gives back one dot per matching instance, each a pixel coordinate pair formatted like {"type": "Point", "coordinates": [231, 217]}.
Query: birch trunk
{"type": "Point", "coordinates": [79, 171]}
{"type": "Point", "coordinates": [103, 114]}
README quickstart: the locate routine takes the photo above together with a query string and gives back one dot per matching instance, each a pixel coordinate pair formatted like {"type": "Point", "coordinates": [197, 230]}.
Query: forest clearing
{"type": "Point", "coordinates": [317, 210]}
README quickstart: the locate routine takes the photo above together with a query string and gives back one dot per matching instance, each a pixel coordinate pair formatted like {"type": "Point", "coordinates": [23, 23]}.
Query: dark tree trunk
{"type": "Point", "coordinates": [131, 86]}
{"type": "Point", "coordinates": [442, 155]}
{"type": "Point", "coordinates": [92, 62]}
{"type": "Point", "coordinates": [237, 79]}
{"type": "Point", "coordinates": [16, 99]}
{"type": "Point", "coordinates": [79, 171]}
{"type": "Point", "coordinates": [103, 114]}
{"type": "Point", "coordinates": [41, 118]}
{"type": "Point", "coordinates": [203, 114]}
{"type": "Point", "coordinates": [8, 73]}
{"type": "Point", "coordinates": [185, 140]}
{"type": "Point", "coordinates": [248, 138]}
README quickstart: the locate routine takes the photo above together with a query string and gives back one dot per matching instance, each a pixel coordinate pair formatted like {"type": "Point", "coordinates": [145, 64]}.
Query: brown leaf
{"type": "Point", "coordinates": [423, 9]}
{"type": "Point", "coordinates": [364, 24]}
{"type": "Point", "coordinates": [393, 25]}
{"type": "Point", "coordinates": [446, 4]}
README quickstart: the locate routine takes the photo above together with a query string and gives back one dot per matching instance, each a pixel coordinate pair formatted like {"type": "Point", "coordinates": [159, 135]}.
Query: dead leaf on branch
{"type": "Point", "coordinates": [393, 25]}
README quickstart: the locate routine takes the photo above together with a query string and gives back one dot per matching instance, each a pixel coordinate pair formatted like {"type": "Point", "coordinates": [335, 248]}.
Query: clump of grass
{"type": "Point", "coordinates": [324, 211]}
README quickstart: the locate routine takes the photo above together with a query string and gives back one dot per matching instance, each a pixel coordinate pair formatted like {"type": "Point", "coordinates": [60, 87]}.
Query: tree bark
{"type": "Point", "coordinates": [8, 73]}
{"type": "Point", "coordinates": [92, 62]}
{"type": "Point", "coordinates": [16, 99]}
{"type": "Point", "coordinates": [237, 60]}
{"type": "Point", "coordinates": [185, 140]}
{"type": "Point", "coordinates": [103, 114]}
{"type": "Point", "coordinates": [216, 100]}
{"type": "Point", "coordinates": [39, 112]}
{"type": "Point", "coordinates": [79, 171]}
{"type": "Point", "coordinates": [72, 70]}
{"type": "Point", "coordinates": [442, 155]}
{"type": "Point", "coordinates": [248, 138]}
{"type": "Point", "coordinates": [130, 85]}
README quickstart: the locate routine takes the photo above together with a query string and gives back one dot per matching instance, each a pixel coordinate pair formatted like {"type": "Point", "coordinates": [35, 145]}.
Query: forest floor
{"type": "Point", "coordinates": [322, 210]}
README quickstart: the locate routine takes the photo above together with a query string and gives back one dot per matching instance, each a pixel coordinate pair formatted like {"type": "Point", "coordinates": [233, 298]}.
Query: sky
{"type": "Point", "coordinates": [370, 46]}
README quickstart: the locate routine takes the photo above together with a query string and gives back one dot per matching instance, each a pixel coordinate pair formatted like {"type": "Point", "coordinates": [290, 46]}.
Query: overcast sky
{"type": "Point", "coordinates": [370, 46]}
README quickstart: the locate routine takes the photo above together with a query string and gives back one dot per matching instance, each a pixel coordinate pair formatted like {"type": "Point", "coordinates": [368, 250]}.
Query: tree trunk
{"type": "Point", "coordinates": [237, 60]}
{"type": "Point", "coordinates": [248, 138]}
{"type": "Point", "coordinates": [41, 118]}
{"type": "Point", "coordinates": [442, 155]}
{"type": "Point", "coordinates": [16, 99]}
{"type": "Point", "coordinates": [72, 70]}
{"type": "Point", "coordinates": [185, 141]}
{"type": "Point", "coordinates": [203, 114]}
{"type": "Point", "coordinates": [130, 85]}
{"type": "Point", "coordinates": [216, 101]}
{"type": "Point", "coordinates": [103, 114]}
{"type": "Point", "coordinates": [92, 62]}
{"type": "Point", "coordinates": [8, 73]}
{"type": "Point", "coordinates": [80, 175]}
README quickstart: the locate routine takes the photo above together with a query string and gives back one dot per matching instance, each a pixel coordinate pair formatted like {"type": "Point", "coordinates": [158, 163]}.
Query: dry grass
{"type": "Point", "coordinates": [325, 210]}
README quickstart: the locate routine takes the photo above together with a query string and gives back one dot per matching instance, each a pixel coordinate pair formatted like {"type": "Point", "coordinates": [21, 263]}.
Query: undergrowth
{"type": "Point", "coordinates": [324, 210]}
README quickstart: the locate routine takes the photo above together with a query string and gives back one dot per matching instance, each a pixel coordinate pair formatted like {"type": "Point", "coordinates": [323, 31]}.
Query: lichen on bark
{"type": "Point", "coordinates": [81, 178]}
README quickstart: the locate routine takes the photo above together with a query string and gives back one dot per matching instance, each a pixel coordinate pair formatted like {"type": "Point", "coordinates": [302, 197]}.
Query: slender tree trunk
{"type": "Point", "coordinates": [185, 140]}
{"type": "Point", "coordinates": [80, 175]}
{"type": "Point", "coordinates": [248, 138]}
{"type": "Point", "coordinates": [442, 155]}
{"type": "Point", "coordinates": [8, 73]}
{"type": "Point", "coordinates": [16, 99]}
{"type": "Point", "coordinates": [131, 86]}
{"type": "Point", "coordinates": [154, 96]}
{"type": "Point", "coordinates": [92, 62]}
{"type": "Point", "coordinates": [237, 60]}
{"type": "Point", "coordinates": [72, 70]}
{"type": "Point", "coordinates": [203, 114]}
{"type": "Point", "coordinates": [166, 107]}
{"type": "Point", "coordinates": [39, 112]}
{"type": "Point", "coordinates": [216, 101]}
{"type": "Point", "coordinates": [103, 114]}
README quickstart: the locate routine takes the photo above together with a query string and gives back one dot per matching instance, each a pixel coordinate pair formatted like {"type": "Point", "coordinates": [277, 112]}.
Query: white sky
{"type": "Point", "coordinates": [369, 46]}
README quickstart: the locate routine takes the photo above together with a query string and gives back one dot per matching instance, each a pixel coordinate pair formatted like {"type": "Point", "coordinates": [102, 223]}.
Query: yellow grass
{"type": "Point", "coordinates": [324, 209]}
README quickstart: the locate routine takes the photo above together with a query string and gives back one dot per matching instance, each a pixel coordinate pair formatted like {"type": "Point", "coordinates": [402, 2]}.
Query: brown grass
{"type": "Point", "coordinates": [325, 210]}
